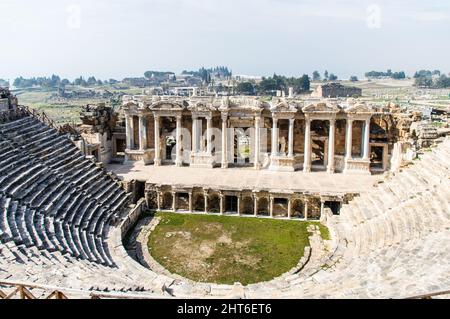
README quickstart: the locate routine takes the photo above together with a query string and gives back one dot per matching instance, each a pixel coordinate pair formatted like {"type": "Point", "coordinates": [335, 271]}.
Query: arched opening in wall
{"type": "Point", "coordinates": [379, 130]}
{"type": "Point", "coordinates": [298, 209]}
{"type": "Point", "coordinates": [314, 208]}
{"type": "Point", "coordinates": [167, 201]}
{"type": "Point", "coordinates": [319, 144]}
{"type": "Point", "coordinates": [214, 204]}
{"type": "Point", "coordinates": [280, 207]}
{"type": "Point", "coordinates": [334, 206]}
{"type": "Point", "coordinates": [231, 204]}
{"type": "Point", "coordinates": [247, 205]}
{"type": "Point", "coordinates": [198, 202]}
{"type": "Point", "coordinates": [263, 207]}
{"type": "Point", "coordinates": [152, 200]}
{"type": "Point", "coordinates": [183, 201]}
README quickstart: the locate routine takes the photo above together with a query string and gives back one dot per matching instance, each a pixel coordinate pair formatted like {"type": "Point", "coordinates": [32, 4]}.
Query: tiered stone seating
{"type": "Point", "coordinates": [55, 208]}
{"type": "Point", "coordinates": [49, 197]}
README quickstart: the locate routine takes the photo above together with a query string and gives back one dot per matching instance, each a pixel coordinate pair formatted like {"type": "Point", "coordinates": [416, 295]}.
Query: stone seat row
{"type": "Point", "coordinates": [52, 198]}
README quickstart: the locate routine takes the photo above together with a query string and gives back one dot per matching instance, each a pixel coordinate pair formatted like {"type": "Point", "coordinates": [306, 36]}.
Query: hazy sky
{"type": "Point", "coordinates": [114, 38]}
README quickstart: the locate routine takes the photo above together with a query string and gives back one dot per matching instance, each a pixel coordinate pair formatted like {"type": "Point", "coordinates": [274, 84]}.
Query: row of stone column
{"type": "Point", "coordinates": [275, 138]}
{"type": "Point", "coordinates": [222, 204]}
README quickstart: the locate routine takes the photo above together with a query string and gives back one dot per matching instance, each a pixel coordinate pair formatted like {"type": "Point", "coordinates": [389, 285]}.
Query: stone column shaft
{"type": "Point", "coordinates": [349, 140]}
{"type": "Point", "coordinates": [291, 138]}
{"type": "Point", "coordinates": [224, 142]}
{"type": "Point", "coordinates": [306, 209]}
{"type": "Point", "coordinates": [209, 135]}
{"type": "Point", "coordinates": [331, 146]}
{"type": "Point", "coordinates": [194, 135]}
{"type": "Point", "coordinates": [222, 210]}
{"type": "Point", "coordinates": [179, 159]}
{"type": "Point", "coordinates": [271, 206]}
{"type": "Point", "coordinates": [307, 152]}
{"type": "Point", "coordinates": [255, 206]}
{"type": "Point", "coordinates": [257, 142]}
{"type": "Point", "coordinates": [289, 208]}
{"type": "Point", "coordinates": [322, 209]}
{"type": "Point", "coordinates": [142, 133]}
{"type": "Point", "coordinates": [129, 131]}
{"type": "Point", "coordinates": [190, 203]}
{"type": "Point", "coordinates": [239, 205]}
{"type": "Point", "coordinates": [174, 201]}
{"type": "Point", "coordinates": [366, 155]}
{"type": "Point", "coordinates": [275, 145]}
{"type": "Point", "coordinates": [157, 142]}
{"type": "Point", "coordinates": [158, 200]}
{"type": "Point", "coordinates": [206, 203]}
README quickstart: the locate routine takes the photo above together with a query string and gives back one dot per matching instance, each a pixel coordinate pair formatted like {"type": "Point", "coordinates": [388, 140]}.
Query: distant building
{"type": "Point", "coordinates": [335, 90]}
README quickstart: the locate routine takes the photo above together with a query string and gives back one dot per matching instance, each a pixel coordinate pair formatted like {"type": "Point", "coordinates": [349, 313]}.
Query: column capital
{"type": "Point", "coordinates": [224, 116]}
{"type": "Point", "coordinates": [179, 117]}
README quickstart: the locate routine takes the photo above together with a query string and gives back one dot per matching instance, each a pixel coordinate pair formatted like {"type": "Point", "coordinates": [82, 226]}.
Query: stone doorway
{"type": "Point", "coordinates": [242, 148]}
{"type": "Point", "coordinates": [231, 204]}
{"type": "Point", "coordinates": [334, 206]}
{"type": "Point", "coordinates": [378, 157]}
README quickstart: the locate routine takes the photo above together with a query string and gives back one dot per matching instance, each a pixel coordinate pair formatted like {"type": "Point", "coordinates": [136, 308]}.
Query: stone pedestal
{"type": "Point", "coordinates": [146, 156]}
{"type": "Point", "coordinates": [202, 160]}
{"type": "Point", "coordinates": [282, 164]}
{"type": "Point", "coordinates": [357, 166]}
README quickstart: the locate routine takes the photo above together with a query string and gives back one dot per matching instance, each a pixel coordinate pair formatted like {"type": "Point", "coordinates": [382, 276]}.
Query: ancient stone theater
{"type": "Point", "coordinates": [376, 175]}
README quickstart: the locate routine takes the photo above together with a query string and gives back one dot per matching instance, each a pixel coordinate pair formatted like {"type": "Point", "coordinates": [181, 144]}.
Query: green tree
{"type": "Point", "coordinates": [316, 76]}
{"type": "Point", "coordinates": [333, 77]}
{"type": "Point", "coordinates": [246, 88]}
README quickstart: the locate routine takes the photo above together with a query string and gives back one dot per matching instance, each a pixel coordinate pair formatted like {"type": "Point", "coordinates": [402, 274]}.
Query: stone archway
{"type": "Point", "coordinates": [298, 208]}
{"type": "Point", "coordinates": [214, 203]}
{"type": "Point", "coordinates": [247, 205]}
{"type": "Point", "coordinates": [263, 206]}
{"type": "Point", "coordinates": [167, 201]}
{"type": "Point", "coordinates": [198, 202]}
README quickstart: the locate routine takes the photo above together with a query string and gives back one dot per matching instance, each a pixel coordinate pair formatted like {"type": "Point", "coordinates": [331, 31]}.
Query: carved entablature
{"type": "Point", "coordinates": [167, 108]}
{"type": "Point", "coordinates": [321, 110]}
{"type": "Point", "coordinates": [203, 108]}
{"type": "Point", "coordinates": [283, 109]}
{"type": "Point", "coordinates": [359, 111]}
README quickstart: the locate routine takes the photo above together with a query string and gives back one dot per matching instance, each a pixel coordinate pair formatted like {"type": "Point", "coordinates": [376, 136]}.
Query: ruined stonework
{"type": "Point", "coordinates": [335, 90]}
{"type": "Point", "coordinates": [97, 128]}
{"type": "Point", "coordinates": [7, 100]}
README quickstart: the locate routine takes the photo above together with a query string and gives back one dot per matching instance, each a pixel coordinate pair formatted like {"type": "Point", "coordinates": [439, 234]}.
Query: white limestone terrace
{"type": "Point", "coordinates": [391, 242]}
{"type": "Point", "coordinates": [245, 178]}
